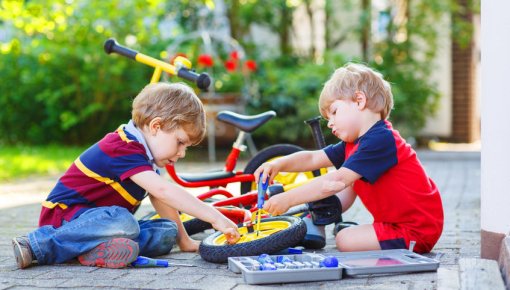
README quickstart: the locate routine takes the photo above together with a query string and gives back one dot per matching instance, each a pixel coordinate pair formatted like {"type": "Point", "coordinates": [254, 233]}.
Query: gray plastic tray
{"type": "Point", "coordinates": [384, 262]}
{"type": "Point", "coordinates": [241, 265]}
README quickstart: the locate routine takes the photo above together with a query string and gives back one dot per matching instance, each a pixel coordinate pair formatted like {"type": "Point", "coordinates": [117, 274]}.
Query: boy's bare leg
{"type": "Point", "coordinates": [357, 238]}
{"type": "Point", "coordinates": [347, 197]}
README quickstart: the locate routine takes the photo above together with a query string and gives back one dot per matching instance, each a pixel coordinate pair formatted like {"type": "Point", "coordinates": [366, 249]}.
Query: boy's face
{"type": "Point", "coordinates": [344, 120]}
{"type": "Point", "coordinates": [167, 147]}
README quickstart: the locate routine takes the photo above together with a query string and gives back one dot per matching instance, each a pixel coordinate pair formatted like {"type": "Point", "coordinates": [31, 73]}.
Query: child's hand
{"type": "Point", "coordinates": [188, 245]}
{"type": "Point", "coordinates": [268, 169]}
{"type": "Point", "coordinates": [229, 229]}
{"type": "Point", "coordinates": [276, 205]}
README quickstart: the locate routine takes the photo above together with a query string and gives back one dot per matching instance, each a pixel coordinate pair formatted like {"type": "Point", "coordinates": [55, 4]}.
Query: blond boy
{"type": "Point", "coordinates": [373, 162]}
{"type": "Point", "coordinates": [89, 213]}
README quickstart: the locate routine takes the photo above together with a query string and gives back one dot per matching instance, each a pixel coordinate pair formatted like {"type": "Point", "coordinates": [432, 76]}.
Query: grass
{"type": "Point", "coordinates": [23, 161]}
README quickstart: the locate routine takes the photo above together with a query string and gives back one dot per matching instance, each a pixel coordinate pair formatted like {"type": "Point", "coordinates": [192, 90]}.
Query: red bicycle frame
{"type": "Point", "coordinates": [230, 164]}
{"type": "Point", "coordinates": [232, 207]}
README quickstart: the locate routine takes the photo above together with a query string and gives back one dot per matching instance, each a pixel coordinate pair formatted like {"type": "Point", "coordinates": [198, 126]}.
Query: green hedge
{"type": "Point", "coordinates": [292, 89]}
{"type": "Point", "coordinates": [58, 85]}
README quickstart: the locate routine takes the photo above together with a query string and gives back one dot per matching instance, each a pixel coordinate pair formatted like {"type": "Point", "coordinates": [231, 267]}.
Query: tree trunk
{"type": "Point", "coordinates": [365, 31]}
{"type": "Point", "coordinates": [233, 20]}
{"type": "Point", "coordinates": [283, 31]}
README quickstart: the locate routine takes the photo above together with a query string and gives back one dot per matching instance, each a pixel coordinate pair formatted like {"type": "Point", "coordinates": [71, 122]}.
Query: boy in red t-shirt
{"type": "Point", "coordinates": [373, 162]}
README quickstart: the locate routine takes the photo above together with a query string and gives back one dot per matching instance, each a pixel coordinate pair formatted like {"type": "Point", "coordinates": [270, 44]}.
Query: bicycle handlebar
{"type": "Point", "coordinates": [203, 81]}
{"type": "Point", "coordinates": [111, 45]}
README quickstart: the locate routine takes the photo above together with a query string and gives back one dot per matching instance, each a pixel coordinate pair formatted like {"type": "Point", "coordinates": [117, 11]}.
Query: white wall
{"type": "Point", "coordinates": [495, 199]}
{"type": "Point", "coordinates": [441, 123]}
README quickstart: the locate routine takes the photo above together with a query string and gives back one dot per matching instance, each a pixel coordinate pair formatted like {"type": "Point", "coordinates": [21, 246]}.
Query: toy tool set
{"type": "Point", "coordinates": [266, 269]}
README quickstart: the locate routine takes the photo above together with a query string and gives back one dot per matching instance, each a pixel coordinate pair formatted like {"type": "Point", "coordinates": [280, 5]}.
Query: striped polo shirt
{"type": "Point", "coordinates": [100, 176]}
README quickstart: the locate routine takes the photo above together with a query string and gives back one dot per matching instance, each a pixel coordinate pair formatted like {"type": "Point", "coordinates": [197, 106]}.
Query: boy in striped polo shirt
{"type": "Point", "coordinates": [89, 213]}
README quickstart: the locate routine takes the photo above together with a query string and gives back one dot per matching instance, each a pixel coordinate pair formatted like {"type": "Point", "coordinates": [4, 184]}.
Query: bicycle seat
{"type": "Point", "coordinates": [244, 122]}
{"type": "Point", "coordinates": [213, 175]}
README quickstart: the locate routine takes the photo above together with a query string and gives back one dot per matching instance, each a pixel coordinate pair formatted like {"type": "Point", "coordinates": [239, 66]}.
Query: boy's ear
{"type": "Point", "coordinates": [361, 100]}
{"type": "Point", "coordinates": [155, 125]}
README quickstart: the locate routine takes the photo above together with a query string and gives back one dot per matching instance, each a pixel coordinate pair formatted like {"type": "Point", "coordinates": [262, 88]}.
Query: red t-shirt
{"type": "Point", "coordinates": [394, 186]}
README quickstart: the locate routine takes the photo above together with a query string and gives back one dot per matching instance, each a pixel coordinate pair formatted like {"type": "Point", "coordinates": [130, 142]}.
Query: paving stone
{"type": "Point", "coordinates": [181, 281]}
{"type": "Point", "coordinates": [32, 283]}
{"type": "Point", "coordinates": [64, 273]}
{"type": "Point", "coordinates": [106, 283]}
{"type": "Point", "coordinates": [32, 272]}
{"type": "Point", "coordinates": [448, 278]}
{"type": "Point", "coordinates": [381, 279]}
{"type": "Point", "coordinates": [477, 273]}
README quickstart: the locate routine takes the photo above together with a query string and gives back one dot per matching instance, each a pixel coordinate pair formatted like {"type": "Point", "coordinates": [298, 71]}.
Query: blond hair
{"type": "Point", "coordinates": [352, 78]}
{"type": "Point", "coordinates": [176, 104]}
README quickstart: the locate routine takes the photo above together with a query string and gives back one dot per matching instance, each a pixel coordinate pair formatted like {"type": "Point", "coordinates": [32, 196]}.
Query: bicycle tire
{"type": "Point", "coordinates": [278, 150]}
{"type": "Point", "coordinates": [192, 226]}
{"type": "Point", "coordinates": [275, 242]}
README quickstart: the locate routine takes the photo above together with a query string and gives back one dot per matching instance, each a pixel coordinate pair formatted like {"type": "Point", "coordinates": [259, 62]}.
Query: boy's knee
{"type": "Point", "coordinates": [344, 243]}
{"type": "Point", "coordinates": [166, 243]}
{"type": "Point", "coordinates": [165, 233]}
{"type": "Point", "coordinates": [123, 224]}
{"type": "Point", "coordinates": [341, 242]}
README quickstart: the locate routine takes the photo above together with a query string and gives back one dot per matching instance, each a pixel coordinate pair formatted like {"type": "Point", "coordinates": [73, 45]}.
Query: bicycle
{"type": "Point", "coordinates": [181, 67]}
{"type": "Point", "coordinates": [277, 232]}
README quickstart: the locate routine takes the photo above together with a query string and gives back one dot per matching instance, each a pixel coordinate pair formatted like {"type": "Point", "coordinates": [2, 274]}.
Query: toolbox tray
{"type": "Point", "coordinates": [384, 262]}
{"type": "Point", "coordinates": [241, 264]}
{"type": "Point", "coordinates": [350, 264]}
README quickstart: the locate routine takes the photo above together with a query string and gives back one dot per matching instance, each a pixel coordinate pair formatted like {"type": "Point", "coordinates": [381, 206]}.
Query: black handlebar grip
{"type": "Point", "coordinates": [317, 134]}
{"type": "Point", "coordinates": [111, 45]}
{"type": "Point", "coordinates": [202, 80]}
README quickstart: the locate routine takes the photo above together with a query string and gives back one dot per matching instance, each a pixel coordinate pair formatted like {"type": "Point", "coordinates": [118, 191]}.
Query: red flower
{"type": "Point", "coordinates": [230, 65]}
{"type": "Point", "coordinates": [234, 55]}
{"type": "Point", "coordinates": [251, 65]}
{"type": "Point", "coordinates": [205, 60]}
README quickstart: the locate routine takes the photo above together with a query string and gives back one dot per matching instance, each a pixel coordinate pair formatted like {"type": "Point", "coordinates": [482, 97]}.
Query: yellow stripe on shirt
{"type": "Point", "coordinates": [123, 135]}
{"type": "Point", "coordinates": [50, 205]}
{"type": "Point", "coordinates": [114, 184]}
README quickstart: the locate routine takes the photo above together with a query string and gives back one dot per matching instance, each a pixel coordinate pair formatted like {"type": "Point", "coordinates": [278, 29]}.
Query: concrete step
{"type": "Point", "coordinates": [504, 260]}
{"type": "Point", "coordinates": [471, 274]}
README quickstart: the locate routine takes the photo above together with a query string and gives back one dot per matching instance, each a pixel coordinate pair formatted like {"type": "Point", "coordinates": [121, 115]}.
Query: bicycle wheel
{"type": "Point", "coordinates": [269, 153]}
{"type": "Point", "coordinates": [276, 234]}
{"type": "Point", "coordinates": [191, 224]}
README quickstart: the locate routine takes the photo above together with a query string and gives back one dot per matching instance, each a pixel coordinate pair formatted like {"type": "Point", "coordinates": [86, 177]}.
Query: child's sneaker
{"type": "Point", "coordinates": [22, 252]}
{"type": "Point", "coordinates": [115, 253]}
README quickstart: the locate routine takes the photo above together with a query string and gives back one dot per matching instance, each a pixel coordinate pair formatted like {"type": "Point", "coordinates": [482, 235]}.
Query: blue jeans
{"type": "Point", "coordinates": [57, 245]}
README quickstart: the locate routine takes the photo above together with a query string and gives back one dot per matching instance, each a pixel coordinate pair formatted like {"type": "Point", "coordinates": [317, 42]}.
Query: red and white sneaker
{"type": "Point", "coordinates": [115, 253]}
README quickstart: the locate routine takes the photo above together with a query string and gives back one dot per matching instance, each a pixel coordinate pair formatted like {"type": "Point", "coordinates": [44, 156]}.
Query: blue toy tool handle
{"type": "Point", "coordinates": [142, 261]}
{"type": "Point", "coordinates": [261, 191]}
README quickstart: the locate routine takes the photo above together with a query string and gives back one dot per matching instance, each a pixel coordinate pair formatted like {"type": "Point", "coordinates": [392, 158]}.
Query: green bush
{"type": "Point", "coordinates": [58, 85]}
{"type": "Point", "coordinates": [292, 87]}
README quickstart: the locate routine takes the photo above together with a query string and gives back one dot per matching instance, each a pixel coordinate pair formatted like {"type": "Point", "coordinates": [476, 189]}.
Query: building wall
{"type": "Point", "coordinates": [495, 193]}
{"type": "Point", "coordinates": [440, 124]}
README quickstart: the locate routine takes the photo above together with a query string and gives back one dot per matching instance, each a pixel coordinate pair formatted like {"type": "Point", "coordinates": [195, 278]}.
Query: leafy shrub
{"type": "Point", "coordinates": [57, 84]}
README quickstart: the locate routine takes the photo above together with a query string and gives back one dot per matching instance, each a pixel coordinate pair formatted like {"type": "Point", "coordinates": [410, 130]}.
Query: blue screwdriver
{"type": "Point", "coordinates": [261, 194]}
{"type": "Point", "coordinates": [144, 262]}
